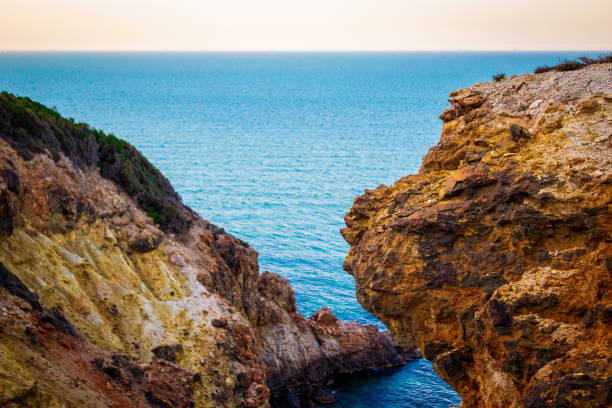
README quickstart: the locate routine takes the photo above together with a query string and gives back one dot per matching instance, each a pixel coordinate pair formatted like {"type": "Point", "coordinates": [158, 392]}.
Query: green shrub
{"type": "Point", "coordinates": [569, 65]}
{"type": "Point", "coordinates": [31, 128]}
{"type": "Point", "coordinates": [499, 77]}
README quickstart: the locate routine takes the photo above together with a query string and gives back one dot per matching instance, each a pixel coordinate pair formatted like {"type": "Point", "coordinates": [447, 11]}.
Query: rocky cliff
{"type": "Point", "coordinates": [113, 293]}
{"type": "Point", "coordinates": [496, 259]}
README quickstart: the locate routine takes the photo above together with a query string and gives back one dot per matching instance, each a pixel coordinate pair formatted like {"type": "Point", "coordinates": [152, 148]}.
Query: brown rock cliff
{"type": "Point", "coordinates": [496, 259]}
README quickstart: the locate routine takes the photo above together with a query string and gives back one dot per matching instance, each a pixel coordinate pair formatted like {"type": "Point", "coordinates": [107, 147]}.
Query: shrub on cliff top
{"type": "Point", "coordinates": [569, 65]}
{"type": "Point", "coordinates": [32, 128]}
{"type": "Point", "coordinates": [499, 77]}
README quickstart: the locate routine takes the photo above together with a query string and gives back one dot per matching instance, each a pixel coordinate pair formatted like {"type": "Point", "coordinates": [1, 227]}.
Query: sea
{"type": "Point", "coordinates": [274, 147]}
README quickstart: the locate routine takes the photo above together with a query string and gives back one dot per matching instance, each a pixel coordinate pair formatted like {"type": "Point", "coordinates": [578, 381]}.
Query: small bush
{"type": "Point", "coordinates": [499, 77]}
{"type": "Point", "coordinates": [587, 60]}
{"type": "Point", "coordinates": [569, 65]}
{"type": "Point", "coordinates": [605, 59]}
{"type": "Point", "coordinates": [543, 69]}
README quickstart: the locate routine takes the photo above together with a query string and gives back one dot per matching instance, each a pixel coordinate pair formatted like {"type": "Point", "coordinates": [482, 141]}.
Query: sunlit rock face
{"type": "Point", "coordinates": [496, 259]}
{"type": "Point", "coordinates": [113, 293]}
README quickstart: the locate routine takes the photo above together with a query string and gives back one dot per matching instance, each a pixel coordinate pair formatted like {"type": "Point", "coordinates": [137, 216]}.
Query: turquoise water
{"type": "Point", "coordinates": [274, 147]}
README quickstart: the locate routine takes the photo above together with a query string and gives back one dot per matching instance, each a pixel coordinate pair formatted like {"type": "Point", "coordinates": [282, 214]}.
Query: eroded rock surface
{"type": "Point", "coordinates": [116, 294]}
{"type": "Point", "coordinates": [496, 259]}
{"type": "Point", "coordinates": [52, 364]}
{"type": "Point", "coordinates": [300, 353]}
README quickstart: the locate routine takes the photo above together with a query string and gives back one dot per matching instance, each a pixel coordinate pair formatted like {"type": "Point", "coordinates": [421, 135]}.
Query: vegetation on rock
{"type": "Point", "coordinates": [32, 128]}
{"type": "Point", "coordinates": [499, 77]}
{"type": "Point", "coordinates": [569, 65]}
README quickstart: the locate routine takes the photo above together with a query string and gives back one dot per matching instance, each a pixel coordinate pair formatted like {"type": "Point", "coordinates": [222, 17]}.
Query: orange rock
{"type": "Point", "coordinates": [505, 283]}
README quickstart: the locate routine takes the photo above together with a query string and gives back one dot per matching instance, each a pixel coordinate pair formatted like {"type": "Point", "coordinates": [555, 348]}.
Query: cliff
{"type": "Point", "coordinates": [495, 260]}
{"type": "Point", "coordinates": [114, 293]}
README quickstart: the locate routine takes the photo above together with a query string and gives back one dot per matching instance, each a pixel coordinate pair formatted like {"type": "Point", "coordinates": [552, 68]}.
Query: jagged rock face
{"type": "Point", "coordinates": [101, 306]}
{"type": "Point", "coordinates": [496, 259]}
{"type": "Point", "coordinates": [301, 352]}
{"type": "Point", "coordinates": [88, 250]}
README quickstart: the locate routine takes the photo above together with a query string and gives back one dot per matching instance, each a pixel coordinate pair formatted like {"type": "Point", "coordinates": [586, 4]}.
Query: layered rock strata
{"type": "Point", "coordinates": [113, 293]}
{"type": "Point", "coordinates": [496, 259]}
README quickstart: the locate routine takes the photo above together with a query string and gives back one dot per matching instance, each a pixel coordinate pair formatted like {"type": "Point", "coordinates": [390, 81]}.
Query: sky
{"type": "Point", "coordinates": [305, 25]}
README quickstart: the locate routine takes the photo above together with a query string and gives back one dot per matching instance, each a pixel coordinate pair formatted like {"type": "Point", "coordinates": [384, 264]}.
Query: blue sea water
{"type": "Point", "coordinates": [274, 147]}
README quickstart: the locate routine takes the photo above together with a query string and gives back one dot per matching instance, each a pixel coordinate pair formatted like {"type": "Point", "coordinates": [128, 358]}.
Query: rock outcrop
{"type": "Point", "coordinates": [496, 259]}
{"type": "Point", "coordinates": [113, 293]}
{"type": "Point", "coordinates": [299, 353]}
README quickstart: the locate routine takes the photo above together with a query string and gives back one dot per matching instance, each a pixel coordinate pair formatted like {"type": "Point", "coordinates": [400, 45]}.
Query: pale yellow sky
{"type": "Point", "coordinates": [305, 25]}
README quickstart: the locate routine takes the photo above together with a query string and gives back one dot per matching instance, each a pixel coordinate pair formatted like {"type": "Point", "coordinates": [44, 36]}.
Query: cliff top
{"type": "Point", "coordinates": [31, 128]}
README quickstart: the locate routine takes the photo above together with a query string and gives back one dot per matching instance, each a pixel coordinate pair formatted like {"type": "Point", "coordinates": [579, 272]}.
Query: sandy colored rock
{"type": "Point", "coordinates": [48, 363]}
{"type": "Point", "coordinates": [171, 309]}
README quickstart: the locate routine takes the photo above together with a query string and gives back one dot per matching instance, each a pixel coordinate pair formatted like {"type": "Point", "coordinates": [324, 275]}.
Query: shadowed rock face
{"type": "Point", "coordinates": [496, 259]}
{"type": "Point", "coordinates": [300, 353]}
{"type": "Point", "coordinates": [113, 293]}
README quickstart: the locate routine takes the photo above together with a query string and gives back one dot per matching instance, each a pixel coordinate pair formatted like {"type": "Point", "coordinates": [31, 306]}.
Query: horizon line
{"type": "Point", "coordinates": [301, 51]}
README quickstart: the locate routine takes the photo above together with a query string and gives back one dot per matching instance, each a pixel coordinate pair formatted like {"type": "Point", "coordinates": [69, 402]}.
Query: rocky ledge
{"type": "Point", "coordinates": [496, 259]}
{"type": "Point", "coordinates": [113, 293]}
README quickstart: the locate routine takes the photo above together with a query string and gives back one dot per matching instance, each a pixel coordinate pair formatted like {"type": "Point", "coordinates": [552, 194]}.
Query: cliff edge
{"type": "Point", "coordinates": [496, 259]}
{"type": "Point", "coordinates": [115, 294]}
